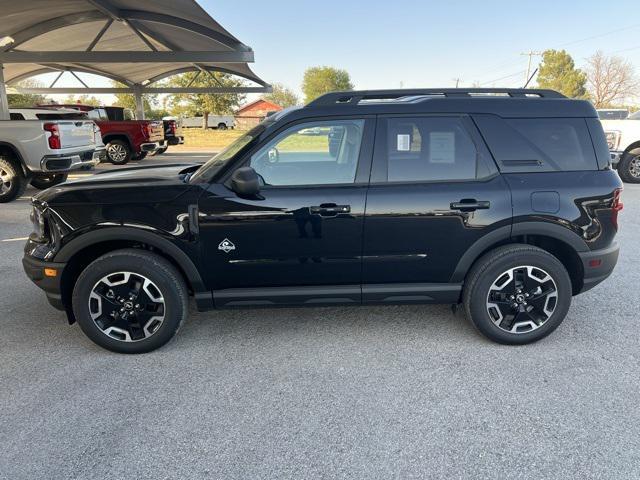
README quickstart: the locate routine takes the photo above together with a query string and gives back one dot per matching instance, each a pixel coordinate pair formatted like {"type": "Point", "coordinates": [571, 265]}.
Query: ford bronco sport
{"type": "Point", "coordinates": [503, 201]}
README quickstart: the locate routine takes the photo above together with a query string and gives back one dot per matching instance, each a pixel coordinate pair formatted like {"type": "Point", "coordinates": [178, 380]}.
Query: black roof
{"type": "Point", "coordinates": [513, 103]}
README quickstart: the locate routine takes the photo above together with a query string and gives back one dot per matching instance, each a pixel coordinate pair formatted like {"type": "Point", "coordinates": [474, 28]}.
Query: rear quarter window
{"type": "Point", "coordinates": [538, 144]}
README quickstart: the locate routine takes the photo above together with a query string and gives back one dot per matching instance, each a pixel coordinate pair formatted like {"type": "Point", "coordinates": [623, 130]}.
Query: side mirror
{"type": "Point", "coordinates": [245, 181]}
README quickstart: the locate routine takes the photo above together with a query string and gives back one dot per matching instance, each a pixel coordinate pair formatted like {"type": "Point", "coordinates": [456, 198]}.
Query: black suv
{"type": "Point", "coordinates": [503, 201]}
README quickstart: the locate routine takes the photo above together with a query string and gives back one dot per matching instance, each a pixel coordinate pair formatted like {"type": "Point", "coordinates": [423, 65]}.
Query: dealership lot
{"type": "Point", "coordinates": [385, 392]}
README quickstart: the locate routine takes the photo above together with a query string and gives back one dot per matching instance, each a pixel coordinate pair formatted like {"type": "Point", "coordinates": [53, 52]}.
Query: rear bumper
{"type": "Point", "coordinates": [598, 265]}
{"type": "Point", "coordinates": [149, 147]}
{"type": "Point", "coordinates": [68, 162]}
{"type": "Point", "coordinates": [51, 286]}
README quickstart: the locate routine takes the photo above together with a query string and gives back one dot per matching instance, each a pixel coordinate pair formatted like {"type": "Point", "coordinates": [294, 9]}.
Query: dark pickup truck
{"type": "Point", "coordinates": [126, 138]}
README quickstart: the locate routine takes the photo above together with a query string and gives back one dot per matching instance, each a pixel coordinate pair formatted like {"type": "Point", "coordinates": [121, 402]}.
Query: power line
{"type": "Point", "coordinates": [503, 78]}
{"type": "Point", "coordinates": [530, 54]}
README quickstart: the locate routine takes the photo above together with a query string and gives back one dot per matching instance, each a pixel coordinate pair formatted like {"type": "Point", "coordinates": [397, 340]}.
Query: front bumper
{"type": "Point", "coordinates": [597, 265]}
{"type": "Point", "coordinates": [35, 268]}
{"type": "Point", "coordinates": [69, 162]}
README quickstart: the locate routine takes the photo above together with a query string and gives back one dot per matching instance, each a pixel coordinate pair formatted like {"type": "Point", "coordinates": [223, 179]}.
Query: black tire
{"type": "Point", "coordinates": [43, 182]}
{"type": "Point", "coordinates": [118, 152]}
{"type": "Point", "coordinates": [13, 182]}
{"type": "Point", "coordinates": [492, 268]}
{"type": "Point", "coordinates": [167, 283]}
{"type": "Point", "coordinates": [629, 167]}
{"type": "Point", "coordinates": [222, 126]}
{"type": "Point", "coordinates": [139, 156]}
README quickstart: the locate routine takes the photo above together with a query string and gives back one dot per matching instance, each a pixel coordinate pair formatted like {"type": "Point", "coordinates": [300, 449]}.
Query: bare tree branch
{"type": "Point", "coordinates": [611, 80]}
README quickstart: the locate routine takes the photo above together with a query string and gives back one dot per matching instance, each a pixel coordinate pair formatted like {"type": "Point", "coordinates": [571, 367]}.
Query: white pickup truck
{"type": "Point", "coordinates": [623, 138]}
{"type": "Point", "coordinates": [219, 122]}
{"type": "Point", "coordinates": [41, 147]}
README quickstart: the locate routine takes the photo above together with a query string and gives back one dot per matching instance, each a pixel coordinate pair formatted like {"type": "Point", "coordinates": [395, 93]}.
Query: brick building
{"type": "Point", "coordinates": [253, 113]}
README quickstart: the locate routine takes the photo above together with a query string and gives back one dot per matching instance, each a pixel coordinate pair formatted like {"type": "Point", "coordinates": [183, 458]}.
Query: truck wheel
{"type": "Point", "coordinates": [139, 156]}
{"type": "Point", "coordinates": [222, 126]}
{"type": "Point", "coordinates": [43, 182]}
{"type": "Point", "coordinates": [118, 152]}
{"type": "Point", "coordinates": [517, 294]}
{"type": "Point", "coordinates": [130, 301]}
{"type": "Point", "coordinates": [12, 181]}
{"type": "Point", "coordinates": [629, 167]}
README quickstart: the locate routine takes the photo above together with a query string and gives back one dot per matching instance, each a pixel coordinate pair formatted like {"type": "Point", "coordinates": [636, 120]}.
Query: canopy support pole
{"type": "Point", "coordinates": [4, 102]}
{"type": "Point", "coordinates": [137, 93]}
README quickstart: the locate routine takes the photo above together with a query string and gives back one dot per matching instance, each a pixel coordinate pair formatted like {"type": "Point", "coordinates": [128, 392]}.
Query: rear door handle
{"type": "Point", "coordinates": [470, 205]}
{"type": "Point", "coordinates": [330, 209]}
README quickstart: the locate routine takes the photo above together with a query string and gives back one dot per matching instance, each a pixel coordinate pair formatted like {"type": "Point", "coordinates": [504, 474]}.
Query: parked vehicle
{"type": "Point", "coordinates": [172, 135]}
{"type": "Point", "coordinates": [219, 122]}
{"type": "Point", "coordinates": [41, 147]}
{"type": "Point", "coordinates": [126, 138]}
{"type": "Point", "coordinates": [613, 113]}
{"type": "Point", "coordinates": [505, 204]}
{"type": "Point", "coordinates": [623, 140]}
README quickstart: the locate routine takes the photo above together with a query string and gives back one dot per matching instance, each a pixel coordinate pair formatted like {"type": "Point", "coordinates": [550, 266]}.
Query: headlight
{"type": "Point", "coordinates": [39, 224]}
{"type": "Point", "coordinates": [613, 139]}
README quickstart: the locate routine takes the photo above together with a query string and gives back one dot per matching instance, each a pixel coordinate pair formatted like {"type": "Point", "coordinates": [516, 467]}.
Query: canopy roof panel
{"type": "Point", "coordinates": [136, 42]}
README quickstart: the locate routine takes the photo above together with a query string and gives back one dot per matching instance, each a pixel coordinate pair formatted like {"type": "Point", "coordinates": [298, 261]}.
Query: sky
{"type": "Point", "coordinates": [403, 43]}
{"type": "Point", "coordinates": [389, 44]}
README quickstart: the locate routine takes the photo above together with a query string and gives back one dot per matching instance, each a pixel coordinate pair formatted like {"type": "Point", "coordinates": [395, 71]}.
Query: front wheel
{"type": "Point", "coordinates": [130, 301]}
{"type": "Point", "coordinates": [629, 167]}
{"type": "Point", "coordinates": [517, 294]}
{"type": "Point", "coordinates": [47, 181]}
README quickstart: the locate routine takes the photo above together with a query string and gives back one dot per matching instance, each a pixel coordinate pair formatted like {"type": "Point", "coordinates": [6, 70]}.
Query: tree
{"type": "Point", "coordinates": [320, 80]}
{"type": "Point", "coordinates": [558, 71]}
{"type": "Point", "coordinates": [17, 100]}
{"type": "Point", "coordinates": [83, 100]}
{"type": "Point", "coordinates": [151, 103]}
{"type": "Point", "coordinates": [611, 80]}
{"type": "Point", "coordinates": [205, 103]}
{"type": "Point", "coordinates": [283, 96]}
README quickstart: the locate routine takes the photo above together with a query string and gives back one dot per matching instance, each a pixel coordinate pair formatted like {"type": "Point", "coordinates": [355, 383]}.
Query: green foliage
{"type": "Point", "coordinates": [82, 100]}
{"type": "Point", "coordinates": [283, 96]}
{"type": "Point", "coordinates": [320, 80]}
{"type": "Point", "coordinates": [557, 71]}
{"type": "Point", "coordinates": [18, 100]}
{"type": "Point", "coordinates": [202, 104]}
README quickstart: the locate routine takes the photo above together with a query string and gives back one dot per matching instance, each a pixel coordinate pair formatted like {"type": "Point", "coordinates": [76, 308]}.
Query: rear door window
{"type": "Point", "coordinates": [538, 144]}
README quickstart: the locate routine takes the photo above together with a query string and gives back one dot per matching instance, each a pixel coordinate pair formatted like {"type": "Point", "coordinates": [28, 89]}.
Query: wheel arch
{"type": "Point", "coordinates": [633, 146]}
{"type": "Point", "coordinates": [83, 250]}
{"type": "Point", "coordinates": [118, 136]}
{"type": "Point", "coordinates": [554, 239]}
{"type": "Point", "coordinates": [14, 154]}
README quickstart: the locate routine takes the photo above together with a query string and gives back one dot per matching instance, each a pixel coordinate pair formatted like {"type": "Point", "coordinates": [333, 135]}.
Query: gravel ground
{"type": "Point", "coordinates": [366, 393]}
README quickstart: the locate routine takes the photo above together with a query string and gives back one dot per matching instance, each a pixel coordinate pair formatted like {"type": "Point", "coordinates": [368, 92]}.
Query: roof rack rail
{"type": "Point", "coordinates": [355, 97]}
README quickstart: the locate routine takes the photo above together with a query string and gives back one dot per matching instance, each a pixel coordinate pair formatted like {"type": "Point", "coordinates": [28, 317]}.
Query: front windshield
{"type": "Point", "coordinates": [213, 166]}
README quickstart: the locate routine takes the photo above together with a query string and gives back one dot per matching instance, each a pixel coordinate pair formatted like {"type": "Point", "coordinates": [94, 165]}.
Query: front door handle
{"type": "Point", "coordinates": [330, 209]}
{"type": "Point", "coordinates": [470, 205]}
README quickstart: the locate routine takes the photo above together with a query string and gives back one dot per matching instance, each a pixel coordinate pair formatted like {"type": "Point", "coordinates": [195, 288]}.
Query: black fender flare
{"type": "Point", "coordinates": [21, 163]}
{"type": "Point", "coordinates": [507, 233]}
{"type": "Point", "coordinates": [102, 235]}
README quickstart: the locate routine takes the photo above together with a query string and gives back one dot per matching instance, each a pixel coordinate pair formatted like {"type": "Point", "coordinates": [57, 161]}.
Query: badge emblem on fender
{"type": "Point", "coordinates": [226, 246]}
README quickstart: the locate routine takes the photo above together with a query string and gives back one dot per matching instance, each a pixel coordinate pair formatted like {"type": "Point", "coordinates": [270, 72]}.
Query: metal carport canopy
{"type": "Point", "coordinates": [135, 42]}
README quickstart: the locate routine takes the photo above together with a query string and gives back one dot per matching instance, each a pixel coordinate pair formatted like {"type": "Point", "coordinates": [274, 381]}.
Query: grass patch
{"type": "Point", "coordinates": [216, 140]}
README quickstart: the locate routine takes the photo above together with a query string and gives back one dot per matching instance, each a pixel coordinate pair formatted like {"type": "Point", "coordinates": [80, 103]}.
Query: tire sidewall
{"type": "Point", "coordinates": [175, 301]}
{"type": "Point", "coordinates": [625, 165]}
{"type": "Point", "coordinates": [41, 184]}
{"type": "Point", "coordinates": [18, 181]}
{"type": "Point", "coordinates": [478, 296]}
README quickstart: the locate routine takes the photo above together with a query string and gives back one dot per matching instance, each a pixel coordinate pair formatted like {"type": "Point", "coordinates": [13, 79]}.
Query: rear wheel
{"type": "Point", "coordinates": [517, 294]}
{"type": "Point", "coordinates": [130, 301]}
{"type": "Point", "coordinates": [43, 182]}
{"type": "Point", "coordinates": [12, 180]}
{"type": "Point", "coordinates": [118, 152]}
{"type": "Point", "coordinates": [222, 126]}
{"type": "Point", "coordinates": [629, 166]}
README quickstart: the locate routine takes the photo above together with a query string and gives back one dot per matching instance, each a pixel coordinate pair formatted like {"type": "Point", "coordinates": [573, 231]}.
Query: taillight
{"type": "Point", "coordinates": [616, 206]}
{"type": "Point", "coordinates": [54, 135]}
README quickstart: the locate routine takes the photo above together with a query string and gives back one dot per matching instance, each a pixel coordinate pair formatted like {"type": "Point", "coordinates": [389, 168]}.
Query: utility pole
{"type": "Point", "coordinates": [530, 54]}
{"type": "Point", "coordinates": [457, 81]}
